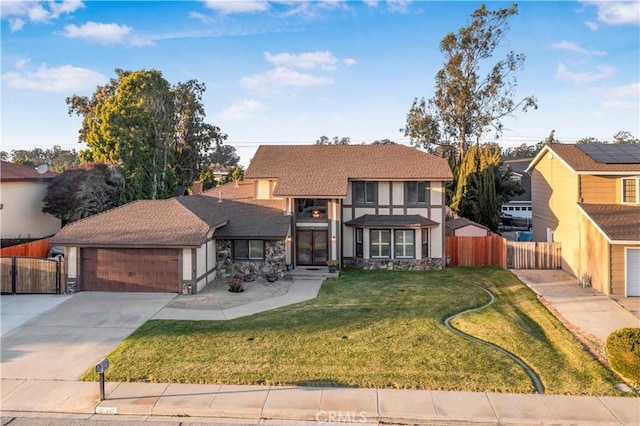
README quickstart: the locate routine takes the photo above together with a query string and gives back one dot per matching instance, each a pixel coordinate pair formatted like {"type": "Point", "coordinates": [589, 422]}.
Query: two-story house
{"type": "Point", "coordinates": [366, 206]}
{"type": "Point", "coordinates": [587, 197]}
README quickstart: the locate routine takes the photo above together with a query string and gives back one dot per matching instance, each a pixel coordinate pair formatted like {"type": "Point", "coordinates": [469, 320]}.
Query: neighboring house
{"type": "Point", "coordinates": [22, 190]}
{"type": "Point", "coordinates": [463, 227]}
{"type": "Point", "coordinates": [517, 211]}
{"type": "Point", "coordinates": [367, 206]}
{"type": "Point", "coordinates": [587, 197]}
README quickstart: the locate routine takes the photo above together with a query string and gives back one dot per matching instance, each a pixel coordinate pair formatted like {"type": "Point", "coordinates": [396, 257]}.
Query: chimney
{"type": "Point", "coordinates": [196, 188]}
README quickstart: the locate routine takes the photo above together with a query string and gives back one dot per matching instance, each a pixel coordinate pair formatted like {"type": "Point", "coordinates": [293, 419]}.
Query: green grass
{"type": "Point", "coordinates": [374, 329]}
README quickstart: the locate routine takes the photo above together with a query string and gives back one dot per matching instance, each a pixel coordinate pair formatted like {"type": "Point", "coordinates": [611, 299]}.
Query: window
{"type": "Point", "coordinates": [359, 242]}
{"type": "Point", "coordinates": [311, 208]}
{"type": "Point", "coordinates": [380, 243]}
{"type": "Point", "coordinates": [425, 243]}
{"type": "Point", "coordinates": [248, 249]}
{"type": "Point", "coordinates": [630, 190]}
{"type": "Point", "coordinates": [365, 192]}
{"type": "Point", "coordinates": [404, 243]}
{"type": "Point", "coordinates": [416, 192]}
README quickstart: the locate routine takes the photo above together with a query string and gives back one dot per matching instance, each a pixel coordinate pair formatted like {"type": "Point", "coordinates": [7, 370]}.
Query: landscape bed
{"type": "Point", "coordinates": [375, 329]}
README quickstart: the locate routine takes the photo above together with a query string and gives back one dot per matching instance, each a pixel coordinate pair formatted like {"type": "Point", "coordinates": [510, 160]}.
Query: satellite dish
{"type": "Point", "coordinates": [42, 169]}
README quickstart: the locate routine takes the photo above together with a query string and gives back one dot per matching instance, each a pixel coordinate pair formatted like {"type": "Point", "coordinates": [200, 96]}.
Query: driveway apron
{"type": "Point", "coordinates": [65, 341]}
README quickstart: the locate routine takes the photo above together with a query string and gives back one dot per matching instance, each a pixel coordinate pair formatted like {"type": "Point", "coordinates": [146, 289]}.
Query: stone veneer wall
{"type": "Point", "coordinates": [275, 260]}
{"type": "Point", "coordinates": [393, 264]}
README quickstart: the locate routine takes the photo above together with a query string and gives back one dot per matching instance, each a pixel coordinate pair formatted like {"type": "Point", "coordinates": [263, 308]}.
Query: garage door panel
{"type": "Point", "coordinates": [148, 270]}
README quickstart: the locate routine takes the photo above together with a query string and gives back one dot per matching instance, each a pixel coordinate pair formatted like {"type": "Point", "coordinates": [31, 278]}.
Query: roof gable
{"type": "Point", "coordinates": [579, 162]}
{"type": "Point", "coordinates": [324, 170]}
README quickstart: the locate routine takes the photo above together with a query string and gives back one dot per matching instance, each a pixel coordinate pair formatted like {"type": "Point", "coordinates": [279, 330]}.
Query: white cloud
{"type": "Point", "coordinates": [371, 3]}
{"type": "Point", "coordinates": [617, 12]}
{"type": "Point", "coordinates": [21, 63]}
{"type": "Point", "coordinates": [572, 47]}
{"type": "Point", "coordinates": [240, 110]}
{"type": "Point", "coordinates": [306, 61]}
{"type": "Point", "coordinates": [16, 24]}
{"type": "Point", "coordinates": [273, 81]}
{"type": "Point", "coordinates": [398, 6]}
{"type": "Point", "coordinates": [593, 26]}
{"type": "Point", "coordinates": [64, 79]}
{"type": "Point", "coordinates": [17, 12]}
{"type": "Point", "coordinates": [201, 17]}
{"type": "Point", "coordinates": [586, 77]}
{"type": "Point", "coordinates": [620, 97]}
{"type": "Point", "coordinates": [349, 61]}
{"type": "Point", "coordinates": [98, 32]}
{"type": "Point", "coordinates": [235, 6]}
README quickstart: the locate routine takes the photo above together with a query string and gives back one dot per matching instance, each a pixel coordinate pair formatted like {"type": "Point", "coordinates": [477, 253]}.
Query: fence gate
{"type": "Point", "coordinates": [533, 255]}
{"type": "Point", "coordinates": [29, 275]}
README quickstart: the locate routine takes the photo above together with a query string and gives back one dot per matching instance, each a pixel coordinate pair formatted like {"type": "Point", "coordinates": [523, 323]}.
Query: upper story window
{"type": "Point", "coordinates": [365, 192]}
{"type": "Point", "coordinates": [311, 208]}
{"type": "Point", "coordinates": [417, 192]}
{"type": "Point", "coordinates": [631, 190]}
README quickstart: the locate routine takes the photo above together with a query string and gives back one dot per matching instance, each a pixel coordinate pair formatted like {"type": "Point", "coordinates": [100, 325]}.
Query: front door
{"type": "Point", "coordinates": [312, 247]}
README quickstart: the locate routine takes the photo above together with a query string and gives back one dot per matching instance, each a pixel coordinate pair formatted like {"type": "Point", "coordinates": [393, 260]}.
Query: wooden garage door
{"type": "Point", "coordinates": [154, 270]}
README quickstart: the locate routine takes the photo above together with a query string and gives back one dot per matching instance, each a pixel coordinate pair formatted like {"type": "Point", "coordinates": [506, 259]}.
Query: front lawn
{"type": "Point", "coordinates": [375, 329]}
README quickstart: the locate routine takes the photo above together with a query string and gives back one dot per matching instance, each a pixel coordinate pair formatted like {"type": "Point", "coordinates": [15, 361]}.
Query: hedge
{"type": "Point", "coordinates": [623, 351]}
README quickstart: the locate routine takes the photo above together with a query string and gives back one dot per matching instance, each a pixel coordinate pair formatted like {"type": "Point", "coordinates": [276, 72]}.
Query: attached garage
{"type": "Point", "coordinates": [130, 269]}
{"type": "Point", "coordinates": [633, 272]}
{"type": "Point", "coordinates": [143, 246]}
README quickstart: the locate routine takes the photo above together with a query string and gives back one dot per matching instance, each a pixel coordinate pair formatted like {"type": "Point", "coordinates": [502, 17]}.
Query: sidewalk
{"type": "Point", "coordinates": [345, 405]}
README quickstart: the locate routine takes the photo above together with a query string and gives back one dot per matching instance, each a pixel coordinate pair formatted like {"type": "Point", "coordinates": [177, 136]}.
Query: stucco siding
{"type": "Point", "coordinates": [554, 194]}
{"type": "Point", "coordinates": [398, 193]}
{"type": "Point", "coordinates": [437, 194]}
{"type": "Point", "coordinates": [599, 189]}
{"type": "Point", "coordinates": [384, 193]}
{"type": "Point", "coordinates": [263, 189]}
{"type": "Point", "coordinates": [21, 215]}
{"type": "Point", "coordinates": [594, 256]}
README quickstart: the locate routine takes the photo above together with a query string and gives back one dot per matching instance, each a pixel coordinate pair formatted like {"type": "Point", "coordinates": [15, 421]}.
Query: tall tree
{"type": "Point", "coordinates": [194, 136]}
{"type": "Point", "coordinates": [83, 191]}
{"type": "Point", "coordinates": [154, 132]}
{"type": "Point", "coordinates": [625, 137]}
{"type": "Point", "coordinates": [467, 105]}
{"type": "Point", "coordinates": [223, 156]}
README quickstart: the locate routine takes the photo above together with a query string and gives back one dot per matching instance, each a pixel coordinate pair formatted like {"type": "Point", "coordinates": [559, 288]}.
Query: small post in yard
{"type": "Point", "coordinates": [100, 369]}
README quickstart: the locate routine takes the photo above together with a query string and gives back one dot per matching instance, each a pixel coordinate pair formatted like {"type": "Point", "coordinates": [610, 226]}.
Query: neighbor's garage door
{"type": "Point", "coordinates": [633, 272]}
{"type": "Point", "coordinates": [154, 270]}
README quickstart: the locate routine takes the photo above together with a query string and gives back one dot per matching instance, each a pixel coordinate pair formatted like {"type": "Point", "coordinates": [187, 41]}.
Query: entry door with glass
{"type": "Point", "coordinates": [312, 247]}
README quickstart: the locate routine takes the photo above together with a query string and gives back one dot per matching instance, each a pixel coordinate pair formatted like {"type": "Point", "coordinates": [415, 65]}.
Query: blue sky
{"type": "Point", "coordinates": [292, 71]}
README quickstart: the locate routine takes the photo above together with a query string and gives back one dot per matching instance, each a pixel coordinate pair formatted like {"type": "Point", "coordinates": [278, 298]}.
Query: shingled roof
{"type": "Point", "coordinates": [144, 223]}
{"type": "Point", "coordinates": [619, 222]}
{"type": "Point", "coordinates": [17, 172]}
{"type": "Point", "coordinates": [395, 221]}
{"type": "Point", "coordinates": [580, 162]}
{"type": "Point", "coordinates": [325, 170]}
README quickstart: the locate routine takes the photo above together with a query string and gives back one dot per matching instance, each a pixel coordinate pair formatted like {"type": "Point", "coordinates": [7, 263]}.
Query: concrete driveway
{"type": "Point", "coordinates": [61, 343]}
{"type": "Point", "coordinates": [585, 308]}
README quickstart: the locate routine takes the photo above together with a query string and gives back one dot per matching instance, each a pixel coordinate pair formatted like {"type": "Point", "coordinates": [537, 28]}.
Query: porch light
{"type": "Point", "coordinates": [315, 214]}
{"type": "Point", "coordinates": [333, 239]}
{"type": "Point", "coordinates": [288, 239]}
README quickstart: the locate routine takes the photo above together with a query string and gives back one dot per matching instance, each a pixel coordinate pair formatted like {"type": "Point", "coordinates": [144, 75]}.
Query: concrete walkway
{"type": "Point", "coordinates": [288, 405]}
{"type": "Point", "coordinates": [301, 290]}
{"type": "Point", "coordinates": [590, 311]}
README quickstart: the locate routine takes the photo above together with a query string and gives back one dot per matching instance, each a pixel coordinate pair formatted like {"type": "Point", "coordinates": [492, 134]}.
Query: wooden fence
{"type": "Point", "coordinates": [39, 248]}
{"type": "Point", "coordinates": [30, 275]}
{"type": "Point", "coordinates": [496, 250]}
{"type": "Point", "coordinates": [533, 255]}
{"type": "Point", "coordinates": [477, 251]}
